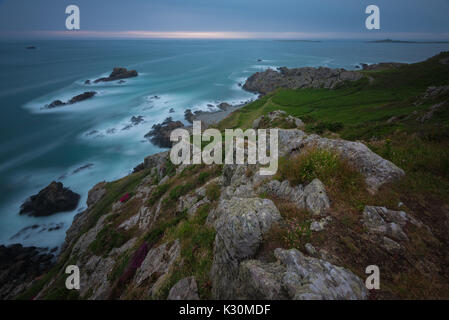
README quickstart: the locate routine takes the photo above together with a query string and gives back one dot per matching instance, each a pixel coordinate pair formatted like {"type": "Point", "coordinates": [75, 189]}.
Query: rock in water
{"type": "Point", "coordinates": [118, 74]}
{"type": "Point", "coordinates": [52, 199]}
{"type": "Point", "coordinates": [160, 133]}
{"type": "Point", "coordinates": [81, 97]}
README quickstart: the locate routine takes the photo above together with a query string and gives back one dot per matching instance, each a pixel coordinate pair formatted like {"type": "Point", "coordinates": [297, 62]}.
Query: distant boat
{"type": "Point", "coordinates": [31, 47]}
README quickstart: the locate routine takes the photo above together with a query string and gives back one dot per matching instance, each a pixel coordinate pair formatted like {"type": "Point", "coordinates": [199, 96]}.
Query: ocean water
{"type": "Point", "coordinates": [84, 143]}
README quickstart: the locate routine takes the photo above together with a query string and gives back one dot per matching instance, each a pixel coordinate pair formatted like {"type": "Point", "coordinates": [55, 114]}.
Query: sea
{"type": "Point", "coordinates": [94, 140]}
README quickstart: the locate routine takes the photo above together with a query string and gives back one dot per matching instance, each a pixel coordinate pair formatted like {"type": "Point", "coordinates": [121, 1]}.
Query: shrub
{"type": "Point", "coordinates": [311, 164]}
{"type": "Point", "coordinates": [213, 191]}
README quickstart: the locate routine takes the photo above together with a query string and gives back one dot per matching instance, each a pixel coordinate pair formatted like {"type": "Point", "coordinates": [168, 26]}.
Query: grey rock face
{"type": "Point", "coordinates": [380, 220]}
{"type": "Point", "coordinates": [184, 289]}
{"type": "Point", "coordinates": [158, 262]}
{"type": "Point", "coordinates": [316, 199]}
{"type": "Point", "coordinates": [296, 276]}
{"type": "Point", "coordinates": [240, 224]}
{"type": "Point", "coordinates": [313, 197]}
{"type": "Point", "coordinates": [270, 80]}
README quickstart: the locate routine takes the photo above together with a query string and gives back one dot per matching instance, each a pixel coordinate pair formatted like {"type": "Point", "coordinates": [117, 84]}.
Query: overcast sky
{"type": "Point", "coordinates": [226, 18]}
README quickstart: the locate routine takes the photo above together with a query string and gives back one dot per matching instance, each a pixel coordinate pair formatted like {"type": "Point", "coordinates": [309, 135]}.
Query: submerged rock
{"type": "Point", "coordinates": [52, 199]}
{"type": "Point", "coordinates": [81, 97]}
{"type": "Point", "coordinates": [118, 74]}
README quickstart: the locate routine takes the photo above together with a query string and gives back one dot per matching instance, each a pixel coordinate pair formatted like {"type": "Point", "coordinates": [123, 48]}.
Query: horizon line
{"type": "Point", "coordinates": [143, 34]}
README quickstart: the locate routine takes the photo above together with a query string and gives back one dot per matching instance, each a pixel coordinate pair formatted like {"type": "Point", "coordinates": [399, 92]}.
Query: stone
{"type": "Point", "coordinates": [316, 199]}
{"type": "Point", "coordinates": [158, 261]}
{"type": "Point", "coordinates": [184, 289]}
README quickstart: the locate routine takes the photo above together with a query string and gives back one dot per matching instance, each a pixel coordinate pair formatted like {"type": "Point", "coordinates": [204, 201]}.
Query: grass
{"type": "Point", "coordinates": [197, 243]}
{"type": "Point", "coordinates": [107, 239]}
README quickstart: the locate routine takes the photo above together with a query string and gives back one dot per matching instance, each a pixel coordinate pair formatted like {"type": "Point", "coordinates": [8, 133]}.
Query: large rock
{"type": "Point", "coordinates": [117, 74]}
{"type": "Point", "coordinates": [269, 80]}
{"type": "Point", "coordinates": [184, 289]}
{"type": "Point", "coordinates": [52, 199]}
{"type": "Point", "coordinates": [376, 170]}
{"type": "Point", "coordinates": [240, 225]}
{"type": "Point", "coordinates": [299, 277]}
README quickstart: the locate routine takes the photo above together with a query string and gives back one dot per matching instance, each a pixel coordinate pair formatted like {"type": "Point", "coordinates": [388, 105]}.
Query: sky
{"type": "Point", "coordinates": [289, 19]}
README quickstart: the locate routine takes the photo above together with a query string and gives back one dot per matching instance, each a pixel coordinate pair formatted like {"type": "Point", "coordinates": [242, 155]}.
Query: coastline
{"type": "Point", "coordinates": [153, 183]}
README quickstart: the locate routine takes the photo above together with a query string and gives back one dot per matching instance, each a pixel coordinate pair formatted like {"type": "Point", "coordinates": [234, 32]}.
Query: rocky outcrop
{"type": "Point", "coordinates": [382, 66]}
{"type": "Point", "coordinates": [19, 267]}
{"type": "Point", "coordinates": [184, 289]}
{"type": "Point", "coordinates": [81, 97]}
{"type": "Point", "coordinates": [269, 80]}
{"type": "Point", "coordinates": [240, 224]}
{"type": "Point", "coordinates": [160, 133]}
{"type": "Point", "coordinates": [299, 277]}
{"type": "Point", "coordinates": [118, 74]}
{"type": "Point", "coordinates": [52, 199]}
{"type": "Point", "coordinates": [312, 197]}
{"type": "Point", "coordinates": [376, 170]}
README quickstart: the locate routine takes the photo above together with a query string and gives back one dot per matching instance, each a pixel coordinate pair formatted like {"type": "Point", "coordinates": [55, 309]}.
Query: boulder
{"type": "Point", "coordinates": [240, 225]}
{"type": "Point", "coordinates": [376, 170]}
{"type": "Point", "coordinates": [52, 199]}
{"type": "Point", "coordinates": [184, 289]}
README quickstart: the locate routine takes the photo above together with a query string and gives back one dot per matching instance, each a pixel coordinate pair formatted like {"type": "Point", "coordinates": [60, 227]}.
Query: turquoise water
{"type": "Point", "coordinates": [38, 146]}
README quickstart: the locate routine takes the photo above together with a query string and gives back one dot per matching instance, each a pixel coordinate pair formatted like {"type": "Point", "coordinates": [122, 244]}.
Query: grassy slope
{"type": "Point", "coordinates": [360, 111]}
